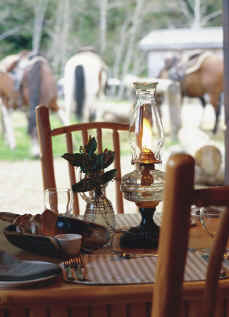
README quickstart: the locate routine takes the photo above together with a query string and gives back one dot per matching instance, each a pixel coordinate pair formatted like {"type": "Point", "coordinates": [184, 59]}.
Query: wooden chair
{"type": "Point", "coordinates": [179, 195]}
{"type": "Point", "coordinates": [46, 135]}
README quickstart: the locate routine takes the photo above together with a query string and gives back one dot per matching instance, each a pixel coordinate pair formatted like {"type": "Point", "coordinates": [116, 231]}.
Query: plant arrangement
{"type": "Point", "coordinates": [92, 165]}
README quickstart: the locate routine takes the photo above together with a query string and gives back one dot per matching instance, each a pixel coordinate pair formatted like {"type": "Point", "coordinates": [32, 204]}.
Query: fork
{"type": "Point", "coordinates": [76, 267]}
{"type": "Point", "coordinates": [126, 255]}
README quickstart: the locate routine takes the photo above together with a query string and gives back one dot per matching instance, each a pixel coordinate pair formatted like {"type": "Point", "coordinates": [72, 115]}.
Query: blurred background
{"type": "Point", "coordinates": [134, 39]}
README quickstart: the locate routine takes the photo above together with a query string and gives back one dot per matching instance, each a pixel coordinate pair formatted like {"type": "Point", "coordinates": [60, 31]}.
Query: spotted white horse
{"type": "Point", "coordinates": [85, 77]}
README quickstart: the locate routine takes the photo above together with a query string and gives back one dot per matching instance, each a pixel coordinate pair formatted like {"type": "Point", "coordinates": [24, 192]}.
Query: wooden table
{"type": "Point", "coordinates": [63, 299]}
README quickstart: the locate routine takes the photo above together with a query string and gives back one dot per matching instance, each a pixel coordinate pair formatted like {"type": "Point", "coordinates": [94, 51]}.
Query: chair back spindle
{"type": "Point", "coordinates": [46, 135]}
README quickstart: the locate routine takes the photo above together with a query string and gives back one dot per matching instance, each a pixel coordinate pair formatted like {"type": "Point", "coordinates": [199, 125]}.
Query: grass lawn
{"type": "Point", "coordinates": [22, 150]}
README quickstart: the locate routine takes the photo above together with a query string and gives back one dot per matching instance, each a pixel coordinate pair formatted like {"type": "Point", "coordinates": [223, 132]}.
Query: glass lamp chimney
{"type": "Point", "coordinates": [146, 130]}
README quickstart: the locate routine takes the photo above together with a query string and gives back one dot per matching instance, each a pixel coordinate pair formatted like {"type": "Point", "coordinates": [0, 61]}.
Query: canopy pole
{"type": "Point", "coordinates": [226, 85]}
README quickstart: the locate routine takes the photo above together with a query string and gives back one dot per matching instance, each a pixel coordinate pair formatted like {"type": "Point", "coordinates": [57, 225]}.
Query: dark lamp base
{"type": "Point", "coordinates": [144, 236]}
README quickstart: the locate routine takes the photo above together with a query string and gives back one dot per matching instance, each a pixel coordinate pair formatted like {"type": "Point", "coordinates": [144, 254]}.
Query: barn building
{"type": "Point", "coordinates": [159, 43]}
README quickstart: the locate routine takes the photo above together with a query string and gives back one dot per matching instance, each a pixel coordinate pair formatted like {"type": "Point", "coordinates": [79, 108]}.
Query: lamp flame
{"type": "Point", "coordinates": [147, 138]}
{"type": "Point", "coordinates": [145, 133]}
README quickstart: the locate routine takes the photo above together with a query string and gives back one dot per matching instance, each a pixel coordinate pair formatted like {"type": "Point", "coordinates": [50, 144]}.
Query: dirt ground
{"type": "Point", "coordinates": [21, 182]}
{"type": "Point", "coordinates": [21, 185]}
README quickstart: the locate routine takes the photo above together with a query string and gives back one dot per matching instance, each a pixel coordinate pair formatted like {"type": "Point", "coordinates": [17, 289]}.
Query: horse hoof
{"type": "Point", "coordinates": [12, 146]}
{"type": "Point", "coordinates": [35, 153]}
{"type": "Point", "coordinates": [92, 117]}
{"type": "Point", "coordinates": [36, 156]}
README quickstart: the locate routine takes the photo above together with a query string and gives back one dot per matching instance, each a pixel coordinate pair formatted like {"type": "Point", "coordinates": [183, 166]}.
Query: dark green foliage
{"type": "Point", "coordinates": [17, 18]}
{"type": "Point", "coordinates": [92, 165]}
{"type": "Point", "coordinates": [90, 148]}
{"type": "Point", "coordinates": [88, 161]}
{"type": "Point", "coordinates": [90, 183]}
{"type": "Point", "coordinates": [84, 24]}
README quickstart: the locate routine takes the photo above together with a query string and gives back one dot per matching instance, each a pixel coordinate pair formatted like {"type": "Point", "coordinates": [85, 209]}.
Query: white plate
{"type": "Point", "coordinates": [15, 284]}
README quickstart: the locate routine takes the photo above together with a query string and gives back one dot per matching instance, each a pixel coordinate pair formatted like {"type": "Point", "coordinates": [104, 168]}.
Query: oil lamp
{"type": "Point", "coordinates": [144, 185]}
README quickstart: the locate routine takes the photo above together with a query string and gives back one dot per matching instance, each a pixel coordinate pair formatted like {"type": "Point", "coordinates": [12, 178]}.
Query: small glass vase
{"type": "Point", "coordinates": [99, 210]}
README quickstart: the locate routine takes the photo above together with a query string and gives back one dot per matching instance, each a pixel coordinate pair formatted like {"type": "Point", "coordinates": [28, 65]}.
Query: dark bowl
{"type": "Point", "coordinates": [94, 236]}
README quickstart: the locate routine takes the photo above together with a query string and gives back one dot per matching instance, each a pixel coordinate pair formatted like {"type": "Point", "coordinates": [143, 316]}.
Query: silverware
{"type": "Point", "coordinates": [76, 268]}
{"type": "Point", "coordinates": [205, 252]}
{"type": "Point", "coordinates": [126, 255]}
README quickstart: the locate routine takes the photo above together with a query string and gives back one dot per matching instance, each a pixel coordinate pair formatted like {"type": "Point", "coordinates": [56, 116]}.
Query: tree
{"type": "Point", "coordinates": [60, 36]}
{"type": "Point", "coordinates": [113, 27]}
{"type": "Point", "coordinates": [103, 24]}
{"type": "Point", "coordinates": [39, 13]}
{"type": "Point", "coordinates": [135, 23]}
{"type": "Point", "coordinates": [201, 12]}
{"type": "Point", "coordinates": [16, 20]}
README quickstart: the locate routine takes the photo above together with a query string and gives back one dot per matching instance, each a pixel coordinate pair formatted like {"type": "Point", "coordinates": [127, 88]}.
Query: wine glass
{"type": "Point", "coordinates": [205, 215]}
{"type": "Point", "coordinates": [58, 200]}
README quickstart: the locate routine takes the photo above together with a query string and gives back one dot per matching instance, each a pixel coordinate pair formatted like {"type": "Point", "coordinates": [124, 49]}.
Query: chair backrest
{"type": "Point", "coordinates": [46, 135]}
{"type": "Point", "coordinates": [179, 194]}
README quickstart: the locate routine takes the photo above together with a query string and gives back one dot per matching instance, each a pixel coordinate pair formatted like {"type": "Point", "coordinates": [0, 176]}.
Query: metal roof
{"type": "Point", "coordinates": [178, 39]}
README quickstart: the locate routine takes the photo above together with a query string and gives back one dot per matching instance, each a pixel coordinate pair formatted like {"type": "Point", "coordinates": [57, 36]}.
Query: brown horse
{"type": "Point", "coordinates": [25, 82]}
{"type": "Point", "coordinates": [199, 74]}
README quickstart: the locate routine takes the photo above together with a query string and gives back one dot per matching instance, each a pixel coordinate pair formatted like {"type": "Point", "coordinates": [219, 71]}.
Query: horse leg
{"type": "Point", "coordinates": [86, 110]}
{"type": "Point", "coordinates": [100, 97]}
{"type": "Point", "coordinates": [216, 102]}
{"type": "Point", "coordinates": [7, 126]}
{"type": "Point", "coordinates": [174, 103]}
{"type": "Point", "coordinates": [34, 85]}
{"type": "Point", "coordinates": [63, 116]}
{"type": "Point", "coordinates": [69, 103]}
{"type": "Point", "coordinates": [90, 105]}
{"type": "Point", "coordinates": [217, 107]}
{"type": "Point", "coordinates": [99, 109]}
{"type": "Point", "coordinates": [203, 104]}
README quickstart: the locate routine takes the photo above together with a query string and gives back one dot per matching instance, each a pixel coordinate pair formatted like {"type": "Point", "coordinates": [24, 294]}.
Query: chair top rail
{"type": "Point", "coordinates": [215, 195]}
{"type": "Point", "coordinates": [89, 126]}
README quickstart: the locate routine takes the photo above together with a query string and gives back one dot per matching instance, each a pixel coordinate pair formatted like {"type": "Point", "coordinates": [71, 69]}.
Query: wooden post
{"type": "Point", "coordinates": [226, 84]}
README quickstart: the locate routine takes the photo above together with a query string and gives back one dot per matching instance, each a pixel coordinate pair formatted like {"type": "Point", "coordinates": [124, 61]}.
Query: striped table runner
{"type": "Point", "coordinates": [107, 269]}
{"type": "Point", "coordinates": [124, 220]}
{"type": "Point", "coordinates": [111, 269]}
{"type": "Point", "coordinates": [134, 219]}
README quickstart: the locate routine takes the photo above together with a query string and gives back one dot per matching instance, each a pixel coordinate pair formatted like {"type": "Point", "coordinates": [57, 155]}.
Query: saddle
{"type": "Point", "coordinates": [189, 63]}
{"type": "Point", "coordinates": [194, 62]}
{"type": "Point", "coordinates": [18, 68]}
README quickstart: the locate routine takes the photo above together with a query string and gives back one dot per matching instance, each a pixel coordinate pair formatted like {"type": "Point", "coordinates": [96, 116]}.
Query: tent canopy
{"type": "Point", "coordinates": [183, 39]}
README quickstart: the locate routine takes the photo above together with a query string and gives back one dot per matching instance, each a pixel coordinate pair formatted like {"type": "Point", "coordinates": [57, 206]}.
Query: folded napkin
{"type": "Point", "coordinates": [13, 269]}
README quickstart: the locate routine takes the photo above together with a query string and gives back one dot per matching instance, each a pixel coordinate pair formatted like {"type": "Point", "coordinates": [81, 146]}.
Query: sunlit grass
{"type": "Point", "coordinates": [23, 143]}
{"type": "Point", "coordinates": [22, 150]}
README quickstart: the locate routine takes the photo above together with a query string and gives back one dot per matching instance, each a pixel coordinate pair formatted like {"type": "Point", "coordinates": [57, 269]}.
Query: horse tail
{"type": "Point", "coordinates": [79, 91]}
{"type": "Point", "coordinates": [34, 87]}
{"type": "Point", "coordinates": [218, 112]}
{"type": "Point", "coordinates": [203, 101]}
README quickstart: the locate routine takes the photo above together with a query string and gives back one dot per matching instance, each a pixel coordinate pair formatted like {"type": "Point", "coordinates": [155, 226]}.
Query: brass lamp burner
{"type": "Point", "coordinates": [144, 186]}
{"type": "Point", "coordinates": [146, 158]}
